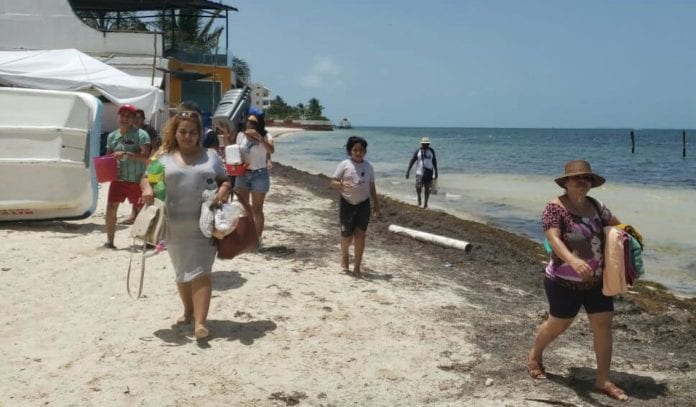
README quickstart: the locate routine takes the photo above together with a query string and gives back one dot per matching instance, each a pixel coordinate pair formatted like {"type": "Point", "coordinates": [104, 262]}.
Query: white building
{"type": "Point", "coordinates": [260, 96]}
{"type": "Point", "coordinates": [55, 25]}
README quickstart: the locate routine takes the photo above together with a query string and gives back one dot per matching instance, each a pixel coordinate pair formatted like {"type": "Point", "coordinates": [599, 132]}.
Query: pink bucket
{"type": "Point", "coordinates": [105, 168]}
{"type": "Point", "coordinates": [235, 169]}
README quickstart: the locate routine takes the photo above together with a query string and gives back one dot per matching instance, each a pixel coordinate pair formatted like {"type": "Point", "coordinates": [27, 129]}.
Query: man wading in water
{"type": "Point", "coordinates": [426, 166]}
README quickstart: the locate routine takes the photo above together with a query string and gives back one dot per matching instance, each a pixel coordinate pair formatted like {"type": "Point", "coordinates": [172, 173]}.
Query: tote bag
{"type": "Point", "coordinates": [242, 239]}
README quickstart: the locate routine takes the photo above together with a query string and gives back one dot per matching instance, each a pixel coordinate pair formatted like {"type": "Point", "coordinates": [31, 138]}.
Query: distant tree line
{"type": "Point", "coordinates": [280, 110]}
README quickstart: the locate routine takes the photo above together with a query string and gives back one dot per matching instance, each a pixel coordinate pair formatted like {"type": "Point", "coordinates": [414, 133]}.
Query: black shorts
{"type": "Point", "coordinates": [424, 180]}
{"type": "Point", "coordinates": [566, 302]}
{"type": "Point", "coordinates": [353, 216]}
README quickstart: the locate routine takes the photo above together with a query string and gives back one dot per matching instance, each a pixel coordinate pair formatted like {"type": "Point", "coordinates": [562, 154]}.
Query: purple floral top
{"type": "Point", "coordinates": [582, 236]}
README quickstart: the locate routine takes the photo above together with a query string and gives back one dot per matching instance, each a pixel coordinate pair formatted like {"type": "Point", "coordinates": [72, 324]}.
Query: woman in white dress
{"type": "Point", "coordinates": [189, 170]}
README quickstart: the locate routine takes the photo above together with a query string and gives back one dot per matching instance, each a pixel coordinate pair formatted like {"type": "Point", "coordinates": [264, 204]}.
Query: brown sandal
{"type": "Point", "coordinates": [201, 333]}
{"type": "Point", "coordinates": [536, 370]}
{"type": "Point", "coordinates": [613, 391]}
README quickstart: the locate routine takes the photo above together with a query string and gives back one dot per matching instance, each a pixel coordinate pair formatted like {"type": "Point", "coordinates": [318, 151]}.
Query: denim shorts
{"type": "Point", "coordinates": [254, 180]}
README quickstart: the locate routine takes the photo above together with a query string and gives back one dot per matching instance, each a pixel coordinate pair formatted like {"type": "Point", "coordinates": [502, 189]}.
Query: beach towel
{"type": "Point", "coordinates": [614, 274]}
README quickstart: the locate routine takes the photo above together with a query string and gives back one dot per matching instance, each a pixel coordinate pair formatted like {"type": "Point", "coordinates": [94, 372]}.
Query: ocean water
{"type": "Point", "coordinates": [504, 177]}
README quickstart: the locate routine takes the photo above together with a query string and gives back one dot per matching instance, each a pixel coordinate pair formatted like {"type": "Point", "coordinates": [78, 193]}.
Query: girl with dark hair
{"type": "Point", "coordinates": [355, 178]}
{"type": "Point", "coordinates": [256, 145]}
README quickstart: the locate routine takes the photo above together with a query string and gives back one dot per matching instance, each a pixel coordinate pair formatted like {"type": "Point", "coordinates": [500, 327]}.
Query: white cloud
{"type": "Point", "coordinates": [324, 72]}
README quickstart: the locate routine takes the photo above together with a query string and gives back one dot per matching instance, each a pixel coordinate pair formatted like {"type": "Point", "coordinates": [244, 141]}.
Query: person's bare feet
{"type": "Point", "coordinates": [344, 263]}
{"type": "Point", "coordinates": [612, 390]}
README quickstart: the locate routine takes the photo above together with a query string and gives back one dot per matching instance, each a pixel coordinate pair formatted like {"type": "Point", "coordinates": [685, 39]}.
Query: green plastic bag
{"type": "Point", "coordinates": [155, 175]}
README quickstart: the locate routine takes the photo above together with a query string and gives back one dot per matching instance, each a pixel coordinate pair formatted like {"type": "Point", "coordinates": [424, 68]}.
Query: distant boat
{"type": "Point", "coordinates": [344, 124]}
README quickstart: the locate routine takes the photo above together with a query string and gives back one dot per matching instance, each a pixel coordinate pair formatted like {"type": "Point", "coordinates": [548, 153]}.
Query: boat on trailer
{"type": "Point", "coordinates": [47, 141]}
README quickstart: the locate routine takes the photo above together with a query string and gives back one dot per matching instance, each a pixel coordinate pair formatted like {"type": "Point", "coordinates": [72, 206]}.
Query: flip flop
{"type": "Point", "coordinates": [536, 370]}
{"type": "Point", "coordinates": [128, 221]}
{"type": "Point", "coordinates": [613, 391]}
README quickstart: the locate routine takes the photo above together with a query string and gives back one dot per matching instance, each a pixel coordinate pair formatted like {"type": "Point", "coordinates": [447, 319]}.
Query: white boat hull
{"type": "Point", "coordinates": [47, 141]}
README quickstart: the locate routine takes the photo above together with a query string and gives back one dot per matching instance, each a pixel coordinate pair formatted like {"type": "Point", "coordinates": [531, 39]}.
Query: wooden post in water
{"type": "Point", "coordinates": [684, 143]}
{"type": "Point", "coordinates": [633, 143]}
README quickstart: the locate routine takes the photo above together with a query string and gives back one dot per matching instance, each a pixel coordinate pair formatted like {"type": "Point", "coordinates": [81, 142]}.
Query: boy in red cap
{"type": "Point", "coordinates": [131, 147]}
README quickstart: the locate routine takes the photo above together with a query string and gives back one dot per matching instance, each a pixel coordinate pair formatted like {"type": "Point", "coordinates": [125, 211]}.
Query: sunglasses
{"type": "Point", "coordinates": [587, 178]}
{"type": "Point", "coordinates": [189, 115]}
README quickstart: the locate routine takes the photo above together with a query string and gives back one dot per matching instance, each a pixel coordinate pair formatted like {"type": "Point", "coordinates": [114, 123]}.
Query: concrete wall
{"type": "Point", "coordinates": [301, 124]}
{"type": "Point", "coordinates": [52, 24]}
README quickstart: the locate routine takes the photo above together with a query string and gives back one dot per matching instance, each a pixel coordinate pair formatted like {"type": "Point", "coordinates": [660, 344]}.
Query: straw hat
{"type": "Point", "coordinates": [425, 140]}
{"type": "Point", "coordinates": [579, 167]}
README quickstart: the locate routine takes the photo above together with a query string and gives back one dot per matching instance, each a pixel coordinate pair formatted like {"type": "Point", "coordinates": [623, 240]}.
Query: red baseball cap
{"type": "Point", "coordinates": [127, 108]}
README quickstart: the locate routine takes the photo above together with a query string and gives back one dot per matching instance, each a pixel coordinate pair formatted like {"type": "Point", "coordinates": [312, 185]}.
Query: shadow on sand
{"type": "Point", "coordinates": [244, 332]}
{"type": "Point", "coordinates": [56, 226]}
{"type": "Point", "coordinates": [227, 280]}
{"type": "Point", "coordinates": [581, 381]}
{"type": "Point", "coordinates": [277, 251]}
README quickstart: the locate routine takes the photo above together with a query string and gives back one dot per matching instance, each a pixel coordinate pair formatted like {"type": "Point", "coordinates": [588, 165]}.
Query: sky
{"type": "Point", "coordinates": [489, 63]}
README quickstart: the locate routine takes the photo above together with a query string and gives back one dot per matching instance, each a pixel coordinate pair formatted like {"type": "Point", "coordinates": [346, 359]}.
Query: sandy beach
{"type": "Point", "coordinates": [427, 326]}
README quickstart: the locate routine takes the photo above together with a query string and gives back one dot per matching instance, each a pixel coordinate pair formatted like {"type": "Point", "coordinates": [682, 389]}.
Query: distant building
{"type": "Point", "coordinates": [260, 96]}
{"type": "Point", "coordinates": [150, 57]}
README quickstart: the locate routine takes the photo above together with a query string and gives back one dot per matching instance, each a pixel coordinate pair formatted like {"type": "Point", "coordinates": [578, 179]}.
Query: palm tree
{"type": "Point", "coordinates": [185, 31]}
{"type": "Point", "coordinates": [242, 72]}
{"type": "Point", "coordinates": [112, 20]}
{"type": "Point", "coordinates": [314, 109]}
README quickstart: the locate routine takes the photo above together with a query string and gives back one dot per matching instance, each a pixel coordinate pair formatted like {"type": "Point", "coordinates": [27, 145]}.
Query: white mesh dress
{"type": "Point", "coordinates": [192, 254]}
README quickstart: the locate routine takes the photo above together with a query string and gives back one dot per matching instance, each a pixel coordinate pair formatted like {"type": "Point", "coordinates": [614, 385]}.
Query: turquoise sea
{"type": "Point", "coordinates": [503, 177]}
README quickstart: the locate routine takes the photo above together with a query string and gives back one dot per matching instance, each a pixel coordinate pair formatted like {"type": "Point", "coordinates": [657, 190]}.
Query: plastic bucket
{"type": "Point", "coordinates": [235, 169]}
{"type": "Point", "coordinates": [105, 168]}
{"type": "Point", "coordinates": [232, 154]}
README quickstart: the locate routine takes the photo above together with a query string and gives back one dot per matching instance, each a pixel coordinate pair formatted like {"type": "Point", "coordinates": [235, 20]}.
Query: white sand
{"type": "Point", "coordinates": [71, 336]}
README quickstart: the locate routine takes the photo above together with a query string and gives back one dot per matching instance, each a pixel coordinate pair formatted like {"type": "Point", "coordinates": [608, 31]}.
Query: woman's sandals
{"type": "Point", "coordinates": [536, 370]}
{"type": "Point", "coordinates": [201, 333]}
{"type": "Point", "coordinates": [613, 391]}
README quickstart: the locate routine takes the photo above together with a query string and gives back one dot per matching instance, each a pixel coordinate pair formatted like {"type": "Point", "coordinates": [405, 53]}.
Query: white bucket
{"type": "Point", "coordinates": [233, 155]}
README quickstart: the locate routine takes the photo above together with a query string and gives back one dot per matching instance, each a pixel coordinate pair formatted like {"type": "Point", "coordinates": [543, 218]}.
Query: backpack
{"type": "Point", "coordinates": [149, 228]}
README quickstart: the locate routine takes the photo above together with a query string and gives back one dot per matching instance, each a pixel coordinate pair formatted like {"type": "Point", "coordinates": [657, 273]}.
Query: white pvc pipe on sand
{"type": "Point", "coordinates": [431, 238]}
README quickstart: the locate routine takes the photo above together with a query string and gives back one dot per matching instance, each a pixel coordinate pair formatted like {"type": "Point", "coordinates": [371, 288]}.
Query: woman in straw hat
{"type": "Point", "coordinates": [573, 224]}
